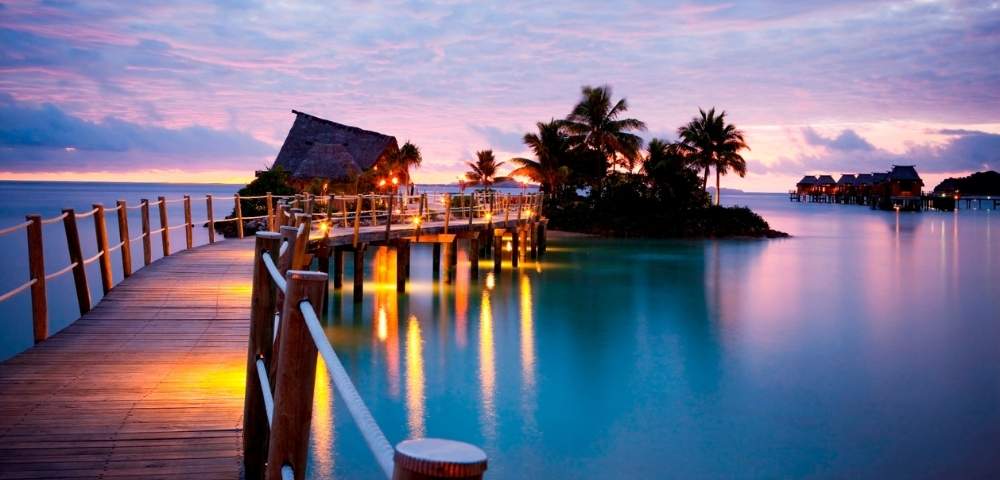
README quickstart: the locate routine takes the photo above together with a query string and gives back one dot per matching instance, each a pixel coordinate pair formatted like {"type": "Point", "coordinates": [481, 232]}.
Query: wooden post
{"type": "Point", "coordinates": [338, 267]}
{"type": "Point", "coordinates": [452, 260]}
{"type": "Point", "coordinates": [506, 209]}
{"type": "Point", "coordinates": [435, 458]}
{"type": "Point", "coordinates": [402, 260]}
{"type": "Point", "coordinates": [123, 236]}
{"type": "Point", "coordinates": [262, 307]}
{"type": "Point", "coordinates": [515, 246]}
{"type": "Point", "coordinates": [374, 200]}
{"type": "Point", "coordinates": [420, 217]}
{"type": "Point", "coordinates": [211, 218]}
{"type": "Point", "coordinates": [290, 236]}
{"type": "Point", "coordinates": [497, 252]}
{"type": "Point", "coordinates": [436, 259]}
{"type": "Point", "coordinates": [474, 254]}
{"type": "Point", "coordinates": [343, 212]}
{"type": "Point", "coordinates": [104, 261]}
{"type": "Point", "coordinates": [472, 208]}
{"type": "Point", "coordinates": [270, 213]}
{"type": "Point", "coordinates": [447, 211]}
{"type": "Point", "coordinates": [359, 272]}
{"type": "Point", "coordinates": [357, 220]}
{"type": "Point", "coordinates": [520, 203]}
{"type": "Point", "coordinates": [165, 228]}
{"type": "Point", "coordinates": [388, 221]}
{"type": "Point", "coordinates": [239, 215]}
{"type": "Point", "coordinates": [147, 243]}
{"type": "Point", "coordinates": [188, 228]}
{"type": "Point", "coordinates": [295, 378]}
{"type": "Point", "coordinates": [76, 256]}
{"type": "Point", "coordinates": [36, 268]}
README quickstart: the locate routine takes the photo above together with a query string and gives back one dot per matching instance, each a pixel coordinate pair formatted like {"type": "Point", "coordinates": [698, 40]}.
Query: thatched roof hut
{"type": "Point", "coordinates": [847, 180]}
{"type": "Point", "coordinates": [319, 148]}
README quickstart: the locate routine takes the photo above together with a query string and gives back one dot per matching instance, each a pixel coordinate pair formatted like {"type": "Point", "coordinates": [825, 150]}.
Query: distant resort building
{"type": "Point", "coordinates": [320, 149]}
{"type": "Point", "coordinates": [899, 188]}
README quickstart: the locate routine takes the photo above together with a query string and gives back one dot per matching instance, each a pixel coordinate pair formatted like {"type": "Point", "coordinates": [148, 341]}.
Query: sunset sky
{"type": "Point", "coordinates": [193, 91]}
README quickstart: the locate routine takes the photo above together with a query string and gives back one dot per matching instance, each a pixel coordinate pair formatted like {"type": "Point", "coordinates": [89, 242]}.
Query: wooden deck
{"type": "Point", "coordinates": [148, 384]}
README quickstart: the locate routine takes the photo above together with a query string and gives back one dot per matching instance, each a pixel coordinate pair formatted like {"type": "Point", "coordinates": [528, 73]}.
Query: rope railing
{"type": "Point", "coordinates": [65, 269]}
{"type": "Point", "coordinates": [24, 286]}
{"type": "Point", "coordinates": [94, 258]}
{"type": "Point", "coordinates": [14, 228]}
{"type": "Point", "coordinates": [57, 218]}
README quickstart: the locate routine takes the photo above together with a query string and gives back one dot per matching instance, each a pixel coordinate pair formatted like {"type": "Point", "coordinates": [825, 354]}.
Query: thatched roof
{"type": "Point", "coordinates": [864, 179]}
{"type": "Point", "coordinates": [318, 148]}
{"type": "Point", "coordinates": [847, 179]}
{"type": "Point", "coordinates": [904, 173]}
{"type": "Point", "coordinates": [825, 180]}
{"type": "Point", "coordinates": [807, 180]}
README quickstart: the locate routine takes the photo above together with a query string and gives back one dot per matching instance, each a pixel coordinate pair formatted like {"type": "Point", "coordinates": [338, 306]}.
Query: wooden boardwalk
{"type": "Point", "coordinates": [149, 384]}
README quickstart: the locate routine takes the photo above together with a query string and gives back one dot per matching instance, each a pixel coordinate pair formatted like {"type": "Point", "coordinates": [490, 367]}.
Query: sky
{"type": "Point", "coordinates": [203, 91]}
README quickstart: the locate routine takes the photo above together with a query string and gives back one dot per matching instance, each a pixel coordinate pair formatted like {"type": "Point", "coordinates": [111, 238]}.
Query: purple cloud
{"type": "Point", "coordinates": [848, 140]}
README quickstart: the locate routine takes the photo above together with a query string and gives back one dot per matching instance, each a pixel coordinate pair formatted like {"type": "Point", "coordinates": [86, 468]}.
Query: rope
{"type": "Point", "coordinates": [275, 274]}
{"type": "Point", "coordinates": [60, 272]}
{"type": "Point", "coordinates": [85, 215]}
{"type": "Point", "coordinates": [134, 207]}
{"type": "Point", "coordinates": [265, 389]}
{"type": "Point", "coordinates": [14, 228]}
{"type": "Point", "coordinates": [112, 209]}
{"type": "Point", "coordinates": [374, 437]}
{"type": "Point", "coordinates": [116, 247]}
{"type": "Point", "coordinates": [255, 218]}
{"type": "Point", "coordinates": [54, 219]}
{"type": "Point", "coordinates": [18, 289]}
{"type": "Point", "coordinates": [175, 200]}
{"type": "Point", "coordinates": [158, 230]}
{"type": "Point", "coordinates": [256, 197]}
{"type": "Point", "coordinates": [136, 239]}
{"type": "Point", "coordinates": [93, 259]}
{"type": "Point", "coordinates": [179, 225]}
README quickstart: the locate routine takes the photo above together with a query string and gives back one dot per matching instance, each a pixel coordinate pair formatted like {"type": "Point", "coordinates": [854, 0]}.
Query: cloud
{"type": "Point", "coordinates": [44, 137]}
{"type": "Point", "coordinates": [848, 140]}
{"type": "Point", "coordinates": [963, 150]}
{"type": "Point", "coordinates": [499, 139]}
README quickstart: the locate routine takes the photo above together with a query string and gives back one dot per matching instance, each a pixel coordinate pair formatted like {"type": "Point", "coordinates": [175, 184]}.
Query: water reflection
{"type": "Point", "coordinates": [527, 335]}
{"type": "Point", "coordinates": [487, 369]}
{"type": "Point", "coordinates": [322, 432]}
{"type": "Point", "coordinates": [414, 378]}
{"type": "Point", "coordinates": [387, 314]}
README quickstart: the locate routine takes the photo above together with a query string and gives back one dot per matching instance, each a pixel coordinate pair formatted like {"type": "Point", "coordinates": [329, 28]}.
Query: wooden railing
{"type": "Point", "coordinates": [38, 277]}
{"type": "Point", "coordinates": [285, 338]}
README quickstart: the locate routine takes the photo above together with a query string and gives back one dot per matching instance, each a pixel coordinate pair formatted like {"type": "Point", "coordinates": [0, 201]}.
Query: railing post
{"type": "Point", "coordinates": [447, 211]}
{"type": "Point", "coordinates": [211, 218]}
{"type": "Point", "coordinates": [76, 255]}
{"type": "Point", "coordinates": [295, 378]}
{"type": "Point", "coordinates": [472, 208]}
{"type": "Point", "coordinates": [188, 228]}
{"type": "Point", "coordinates": [165, 227]}
{"type": "Point", "coordinates": [101, 232]}
{"type": "Point", "coordinates": [435, 458]}
{"type": "Point", "coordinates": [374, 214]}
{"type": "Point", "coordinates": [270, 213]}
{"type": "Point", "coordinates": [388, 221]}
{"type": "Point", "coordinates": [36, 267]}
{"type": "Point", "coordinates": [357, 220]}
{"type": "Point", "coordinates": [147, 243]}
{"type": "Point", "coordinates": [239, 215]}
{"type": "Point", "coordinates": [123, 236]}
{"type": "Point", "coordinates": [262, 307]}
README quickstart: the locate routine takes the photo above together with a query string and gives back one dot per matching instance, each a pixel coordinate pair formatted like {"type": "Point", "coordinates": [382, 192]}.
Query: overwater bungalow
{"type": "Point", "coordinates": [806, 185]}
{"type": "Point", "coordinates": [899, 188]}
{"type": "Point", "coordinates": [320, 149]}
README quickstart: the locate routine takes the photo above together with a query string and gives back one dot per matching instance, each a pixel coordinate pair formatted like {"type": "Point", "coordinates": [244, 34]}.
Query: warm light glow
{"type": "Point", "coordinates": [322, 422]}
{"type": "Point", "coordinates": [487, 367]}
{"type": "Point", "coordinates": [395, 181]}
{"type": "Point", "coordinates": [527, 212]}
{"type": "Point", "coordinates": [527, 334]}
{"type": "Point", "coordinates": [382, 325]}
{"type": "Point", "coordinates": [381, 183]}
{"type": "Point", "coordinates": [414, 378]}
{"type": "Point", "coordinates": [489, 216]}
{"type": "Point", "coordinates": [508, 247]}
{"type": "Point", "coordinates": [491, 281]}
{"type": "Point", "coordinates": [416, 220]}
{"type": "Point", "coordinates": [324, 227]}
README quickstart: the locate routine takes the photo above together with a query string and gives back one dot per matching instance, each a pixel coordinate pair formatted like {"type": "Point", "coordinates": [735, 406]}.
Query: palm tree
{"type": "Point", "coordinates": [484, 170]}
{"type": "Point", "coordinates": [714, 143]}
{"type": "Point", "coordinates": [552, 151]}
{"type": "Point", "coordinates": [402, 160]}
{"type": "Point", "coordinates": [596, 122]}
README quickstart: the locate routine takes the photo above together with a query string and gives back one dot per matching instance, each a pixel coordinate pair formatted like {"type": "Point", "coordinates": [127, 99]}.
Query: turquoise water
{"type": "Point", "coordinates": [865, 346]}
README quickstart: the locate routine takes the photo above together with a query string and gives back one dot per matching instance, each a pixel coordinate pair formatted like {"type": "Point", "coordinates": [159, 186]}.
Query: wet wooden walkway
{"type": "Point", "coordinates": [149, 384]}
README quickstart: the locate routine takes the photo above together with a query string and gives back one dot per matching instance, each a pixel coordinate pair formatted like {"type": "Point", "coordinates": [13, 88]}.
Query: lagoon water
{"type": "Point", "coordinates": [868, 345]}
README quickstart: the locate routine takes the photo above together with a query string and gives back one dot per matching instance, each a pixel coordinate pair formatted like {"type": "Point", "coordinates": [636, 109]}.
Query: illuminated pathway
{"type": "Point", "coordinates": [148, 384]}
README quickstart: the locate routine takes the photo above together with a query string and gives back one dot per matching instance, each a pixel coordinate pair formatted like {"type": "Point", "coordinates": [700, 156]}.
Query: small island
{"type": "Point", "coordinates": [597, 175]}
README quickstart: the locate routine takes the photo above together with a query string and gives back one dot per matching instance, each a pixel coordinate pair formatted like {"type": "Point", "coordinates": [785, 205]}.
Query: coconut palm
{"type": "Point", "coordinates": [596, 122]}
{"type": "Point", "coordinates": [552, 151]}
{"type": "Point", "coordinates": [407, 157]}
{"type": "Point", "coordinates": [483, 171]}
{"type": "Point", "coordinates": [714, 143]}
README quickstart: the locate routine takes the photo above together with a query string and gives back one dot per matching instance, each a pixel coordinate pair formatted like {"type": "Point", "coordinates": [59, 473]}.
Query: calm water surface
{"type": "Point", "coordinates": [866, 346]}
